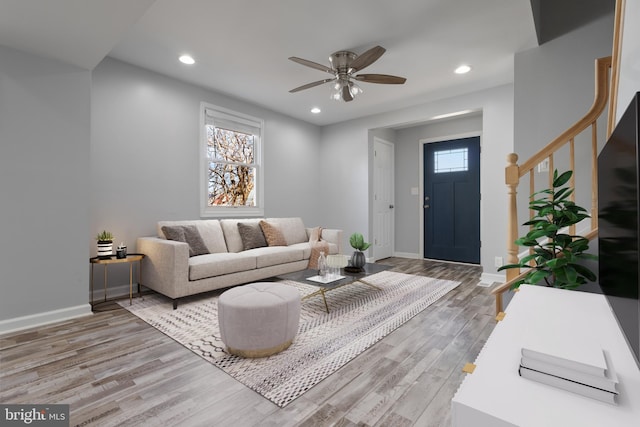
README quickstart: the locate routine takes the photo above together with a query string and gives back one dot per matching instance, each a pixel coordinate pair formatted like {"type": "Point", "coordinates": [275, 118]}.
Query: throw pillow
{"type": "Point", "coordinates": [251, 235]}
{"type": "Point", "coordinates": [188, 234]}
{"type": "Point", "coordinates": [273, 235]}
{"type": "Point", "coordinates": [316, 248]}
{"type": "Point", "coordinates": [196, 244]}
{"type": "Point", "coordinates": [174, 232]}
{"type": "Point", "coordinates": [314, 234]}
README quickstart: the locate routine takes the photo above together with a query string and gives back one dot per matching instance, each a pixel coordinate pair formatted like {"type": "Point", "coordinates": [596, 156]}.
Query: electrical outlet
{"type": "Point", "coordinates": [543, 166]}
{"type": "Point", "coordinates": [498, 261]}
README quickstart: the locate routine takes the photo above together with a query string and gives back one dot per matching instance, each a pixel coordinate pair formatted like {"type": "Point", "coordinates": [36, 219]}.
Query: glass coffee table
{"type": "Point", "coordinates": [310, 277]}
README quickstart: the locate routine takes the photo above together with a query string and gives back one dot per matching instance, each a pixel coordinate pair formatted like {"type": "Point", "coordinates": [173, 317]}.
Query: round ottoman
{"type": "Point", "coordinates": [259, 319]}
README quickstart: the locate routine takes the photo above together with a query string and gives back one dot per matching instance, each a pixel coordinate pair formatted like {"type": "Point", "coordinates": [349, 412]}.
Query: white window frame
{"type": "Point", "coordinates": [240, 118]}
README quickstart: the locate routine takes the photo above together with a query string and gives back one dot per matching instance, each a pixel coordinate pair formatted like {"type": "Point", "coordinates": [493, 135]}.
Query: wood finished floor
{"type": "Point", "coordinates": [115, 370]}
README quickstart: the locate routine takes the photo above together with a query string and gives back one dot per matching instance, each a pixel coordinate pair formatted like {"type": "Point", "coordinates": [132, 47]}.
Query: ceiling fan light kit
{"type": "Point", "coordinates": [345, 90]}
{"type": "Point", "coordinates": [343, 66]}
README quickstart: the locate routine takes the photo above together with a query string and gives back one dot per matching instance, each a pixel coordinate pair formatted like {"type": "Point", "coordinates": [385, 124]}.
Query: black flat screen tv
{"type": "Point", "coordinates": [619, 224]}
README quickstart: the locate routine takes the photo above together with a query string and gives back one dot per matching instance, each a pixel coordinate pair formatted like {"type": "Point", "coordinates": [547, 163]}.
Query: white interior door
{"type": "Point", "coordinates": [383, 199]}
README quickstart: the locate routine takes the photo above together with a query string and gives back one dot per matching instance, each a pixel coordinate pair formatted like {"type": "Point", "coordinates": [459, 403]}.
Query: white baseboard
{"type": "Point", "coordinates": [114, 292]}
{"type": "Point", "coordinates": [487, 279]}
{"type": "Point", "coordinates": [40, 319]}
{"type": "Point", "coordinates": [407, 255]}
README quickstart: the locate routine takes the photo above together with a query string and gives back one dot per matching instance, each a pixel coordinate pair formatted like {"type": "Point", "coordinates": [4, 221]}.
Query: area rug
{"type": "Point", "coordinates": [359, 317]}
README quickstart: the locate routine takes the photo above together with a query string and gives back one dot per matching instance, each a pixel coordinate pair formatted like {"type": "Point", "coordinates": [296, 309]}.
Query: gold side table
{"type": "Point", "coordinates": [130, 259]}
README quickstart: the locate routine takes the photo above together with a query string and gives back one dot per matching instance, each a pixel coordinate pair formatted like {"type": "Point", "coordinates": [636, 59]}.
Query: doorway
{"type": "Point", "coordinates": [451, 200]}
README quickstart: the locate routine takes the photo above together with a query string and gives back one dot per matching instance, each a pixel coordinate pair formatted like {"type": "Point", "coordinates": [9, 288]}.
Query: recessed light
{"type": "Point", "coordinates": [187, 59]}
{"type": "Point", "coordinates": [463, 69]}
{"type": "Point", "coordinates": [316, 110]}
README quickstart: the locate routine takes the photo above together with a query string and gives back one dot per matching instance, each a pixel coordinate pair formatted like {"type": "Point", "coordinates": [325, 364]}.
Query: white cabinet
{"type": "Point", "coordinates": [494, 395]}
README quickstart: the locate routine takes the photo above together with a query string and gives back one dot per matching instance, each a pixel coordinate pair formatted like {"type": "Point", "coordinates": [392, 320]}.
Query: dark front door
{"type": "Point", "coordinates": [452, 200]}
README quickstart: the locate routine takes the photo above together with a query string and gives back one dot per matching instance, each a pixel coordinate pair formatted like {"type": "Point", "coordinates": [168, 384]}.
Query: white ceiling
{"type": "Point", "coordinates": [241, 46]}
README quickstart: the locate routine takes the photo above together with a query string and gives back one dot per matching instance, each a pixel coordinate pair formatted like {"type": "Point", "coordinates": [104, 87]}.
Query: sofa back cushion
{"type": "Point", "coordinates": [231, 233]}
{"type": "Point", "coordinates": [209, 229]}
{"type": "Point", "coordinates": [293, 229]}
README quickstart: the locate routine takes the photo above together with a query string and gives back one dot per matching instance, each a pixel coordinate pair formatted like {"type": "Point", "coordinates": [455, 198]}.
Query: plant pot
{"type": "Point", "coordinates": [105, 248]}
{"type": "Point", "coordinates": [358, 260]}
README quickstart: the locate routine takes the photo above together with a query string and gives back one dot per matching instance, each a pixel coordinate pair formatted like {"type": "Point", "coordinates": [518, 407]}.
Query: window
{"type": "Point", "coordinates": [231, 166]}
{"type": "Point", "coordinates": [451, 161]}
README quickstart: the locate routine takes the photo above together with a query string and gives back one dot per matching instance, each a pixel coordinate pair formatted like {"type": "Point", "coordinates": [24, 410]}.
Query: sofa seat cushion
{"type": "Point", "coordinates": [306, 248]}
{"type": "Point", "coordinates": [274, 255]}
{"type": "Point", "coordinates": [211, 265]}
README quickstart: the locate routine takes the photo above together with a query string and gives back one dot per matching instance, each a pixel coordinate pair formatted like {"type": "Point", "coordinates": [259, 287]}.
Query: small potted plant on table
{"type": "Point", "coordinates": [358, 260]}
{"type": "Point", "coordinates": [105, 244]}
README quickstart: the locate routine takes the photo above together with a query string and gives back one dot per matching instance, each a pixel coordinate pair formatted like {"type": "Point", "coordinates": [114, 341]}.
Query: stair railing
{"type": "Point", "coordinates": [513, 173]}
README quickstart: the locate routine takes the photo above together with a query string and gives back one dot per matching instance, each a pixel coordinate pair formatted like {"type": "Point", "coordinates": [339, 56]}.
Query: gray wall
{"type": "Point", "coordinates": [554, 88]}
{"type": "Point", "coordinates": [346, 154]}
{"type": "Point", "coordinates": [553, 84]}
{"type": "Point", "coordinates": [407, 169]}
{"type": "Point", "coordinates": [144, 155]}
{"type": "Point", "coordinates": [44, 162]}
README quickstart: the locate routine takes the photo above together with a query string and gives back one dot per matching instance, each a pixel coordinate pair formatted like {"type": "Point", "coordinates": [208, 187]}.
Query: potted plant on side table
{"type": "Point", "coordinates": [105, 244]}
{"type": "Point", "coordinates": [358, 260]}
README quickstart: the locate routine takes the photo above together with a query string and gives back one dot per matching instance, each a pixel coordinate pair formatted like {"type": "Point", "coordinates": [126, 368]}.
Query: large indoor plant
{"type": "Point", "coordinates": [557, 256]}
{"type": "Point", "coordinates": [358, 260]}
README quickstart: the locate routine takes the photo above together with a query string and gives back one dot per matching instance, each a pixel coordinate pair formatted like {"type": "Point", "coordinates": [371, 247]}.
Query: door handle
{"type": "Point", "coordinates": [390, 206]}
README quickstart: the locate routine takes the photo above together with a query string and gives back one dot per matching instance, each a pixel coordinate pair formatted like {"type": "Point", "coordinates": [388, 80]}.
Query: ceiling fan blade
{"type": "Point", "coordinates": [312, 64]}
{"type": "Point", "coordinates": [367, 58]}
{"type": "Point", "coordinates": [309, 85]}
{"type": "Point", "coordinates": [380, 78]}
{"type": "Point", "coordinates": [346, 94]}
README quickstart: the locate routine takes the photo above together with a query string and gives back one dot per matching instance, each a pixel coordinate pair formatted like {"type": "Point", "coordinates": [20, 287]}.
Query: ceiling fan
{"type": "Point", "coordinates": [343, 66]}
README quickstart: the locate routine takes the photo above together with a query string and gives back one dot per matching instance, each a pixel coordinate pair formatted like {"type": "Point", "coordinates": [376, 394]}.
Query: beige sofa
{"type": "Point", "coordinates": [169, 270]}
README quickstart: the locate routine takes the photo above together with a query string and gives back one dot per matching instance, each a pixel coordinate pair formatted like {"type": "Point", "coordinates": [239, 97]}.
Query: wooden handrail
{"type": "Point", "coordinates": [513, 171]}
{"type": "Point", "coordinates": [615, 64]}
